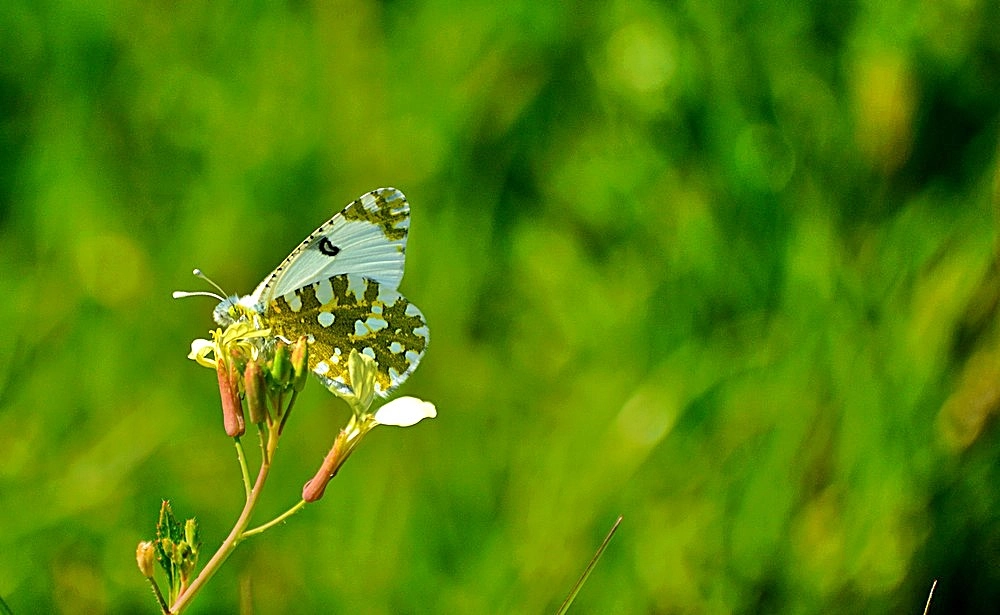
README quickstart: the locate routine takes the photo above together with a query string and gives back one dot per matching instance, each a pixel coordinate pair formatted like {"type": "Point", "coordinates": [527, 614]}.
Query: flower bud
{"type": "Point", "coordinates": [313, 490]}
{"type": "Point", "coordinates": [253, 385]}
{"type": "Point", "coordinates": [145, 557]}
{"type": "Point", "coordinates": [362, 371]}
{"type": "Point", "coordinates": [281, 367]}
{"type": "Point", "coordinates": [300, 363]}
{"type": "Point", "coordinates": [232, 409]}
{"type": "Point", "coordinates": [192, 536]}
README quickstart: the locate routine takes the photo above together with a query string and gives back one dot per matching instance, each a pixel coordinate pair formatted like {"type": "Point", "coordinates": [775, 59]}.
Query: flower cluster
{"type": "Point", "coordinates": [260, 377]}
{"type": "Point", "coordinates": [250, 366]}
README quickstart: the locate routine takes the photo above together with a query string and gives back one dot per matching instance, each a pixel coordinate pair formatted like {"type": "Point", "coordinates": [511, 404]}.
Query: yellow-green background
{"type": "Point", "coordinates": [725, 268]}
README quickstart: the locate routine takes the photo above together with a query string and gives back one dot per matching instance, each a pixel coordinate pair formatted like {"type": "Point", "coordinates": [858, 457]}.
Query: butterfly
{"type": "Point", "coordinates": [339, 289]}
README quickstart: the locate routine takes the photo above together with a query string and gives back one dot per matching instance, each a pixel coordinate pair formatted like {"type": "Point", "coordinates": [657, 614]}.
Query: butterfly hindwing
{"type": "Point", "coordinates": [350, 311]}
{"type": "Point", "coordinates": [368, 237]}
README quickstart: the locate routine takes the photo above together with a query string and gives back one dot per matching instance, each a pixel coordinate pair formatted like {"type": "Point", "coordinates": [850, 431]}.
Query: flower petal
{"type": "Point", "coordinates": [199, 352]}
{"type": "Point", "coordinates": [405, 411]}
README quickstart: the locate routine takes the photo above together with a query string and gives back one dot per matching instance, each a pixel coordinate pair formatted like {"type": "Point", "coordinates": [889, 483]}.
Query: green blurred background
{"type": "Point", "coordinates": [726, 268]}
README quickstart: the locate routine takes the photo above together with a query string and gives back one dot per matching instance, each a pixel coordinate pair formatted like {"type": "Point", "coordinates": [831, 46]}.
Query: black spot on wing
{"type": "Point", "coordinates": [326, 247]}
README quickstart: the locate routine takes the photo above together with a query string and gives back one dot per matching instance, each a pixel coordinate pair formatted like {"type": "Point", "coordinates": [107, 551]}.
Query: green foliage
{"type": "Point", "coordinates": [176, 547]}
{"type": "Point", "coordinates": [726, 269]}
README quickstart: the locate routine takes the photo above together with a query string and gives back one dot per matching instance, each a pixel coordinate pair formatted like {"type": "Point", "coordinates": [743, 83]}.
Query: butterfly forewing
{"type": "Point", "coordinates": [338, 289]}
{"type": "Point", "coordinates": [350, 311]}
{"type": "Point", "coordinates": [368, 238]}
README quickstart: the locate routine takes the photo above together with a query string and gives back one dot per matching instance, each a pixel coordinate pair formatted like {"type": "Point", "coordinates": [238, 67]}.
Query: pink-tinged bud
{"type": "Point", "coordinates": [145, 557]}
{"type": "Point", "coordinates": [313, 490]}
{"type": "Point", "coordinates": [232, 409]}
{"type": "Point", "coordinates": [253, 385]}
{"type": "Point", "coordinates": [300, 363]}
{"type": "Point", "coordinates": [281, 367]}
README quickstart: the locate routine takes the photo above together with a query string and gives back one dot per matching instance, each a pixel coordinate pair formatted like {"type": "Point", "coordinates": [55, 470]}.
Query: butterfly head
{"type": "Point", "coordinates": [234, 309]}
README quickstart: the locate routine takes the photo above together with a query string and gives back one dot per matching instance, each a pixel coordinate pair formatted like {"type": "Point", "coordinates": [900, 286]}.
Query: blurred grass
{"type": "Point", "coordinates": [727, 269]}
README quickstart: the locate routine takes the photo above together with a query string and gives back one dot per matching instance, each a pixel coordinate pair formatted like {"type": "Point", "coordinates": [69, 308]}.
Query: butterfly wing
{"type": "Point", "coordinates": [368, 237]}
{"type": "Point", "coordinates": [351, 312]}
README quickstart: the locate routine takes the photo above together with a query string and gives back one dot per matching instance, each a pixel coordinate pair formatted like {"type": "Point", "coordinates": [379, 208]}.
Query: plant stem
{"type": "Point", "coordinates": [590, 568]}
{"type": "Point", "coordinates": [288, 410]}
{"type": "Point", "coordinates": [243, 466]}
{"type": "Point", "coordinates": [159, 597]}
{"type": "Point", "coordinates": [234, 538]}
{"type": "Point", "coordinates": [288, 513]}
{"type": "Point", "coordinates": [264, 457]}
{"type": "Point", "coordinates": [928, 607]}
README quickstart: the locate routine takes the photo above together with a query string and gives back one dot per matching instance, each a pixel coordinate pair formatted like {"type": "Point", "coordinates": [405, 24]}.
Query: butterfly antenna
{"type": "Point", "coordinates": [179, 294]}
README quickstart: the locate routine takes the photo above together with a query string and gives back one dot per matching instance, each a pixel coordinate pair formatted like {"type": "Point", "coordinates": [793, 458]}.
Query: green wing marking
{"type": "Point", "coordinates": [349, 312]}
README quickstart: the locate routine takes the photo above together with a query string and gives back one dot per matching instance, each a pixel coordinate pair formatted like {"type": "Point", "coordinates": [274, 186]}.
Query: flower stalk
{"type": "Point", "coordinates": [266, 376]}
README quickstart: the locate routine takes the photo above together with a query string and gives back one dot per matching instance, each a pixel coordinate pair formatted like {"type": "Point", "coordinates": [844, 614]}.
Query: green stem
{"type": "Point", "coordinates": [243, 466]}
{"type": "Point", "coordinates": [590, 568]}
{"type": "Point", "coordinates": [234, 538]}
{"type": "Point", "coordinates": [159, 597]}
{"type": "Point", "coordinates": [273, 522]}
{"type": "Point", "coordinates": [264, 457]}
{"type": "Point", "coordinates": [288, 410]}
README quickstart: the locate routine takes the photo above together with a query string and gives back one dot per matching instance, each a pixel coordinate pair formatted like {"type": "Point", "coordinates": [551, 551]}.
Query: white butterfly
{"type": "Point", "coordinates": [338, 288]}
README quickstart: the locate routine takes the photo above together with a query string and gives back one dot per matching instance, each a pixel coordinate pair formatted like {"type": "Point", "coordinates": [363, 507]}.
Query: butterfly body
{"type": "Point", "coordinates": [339, 289]}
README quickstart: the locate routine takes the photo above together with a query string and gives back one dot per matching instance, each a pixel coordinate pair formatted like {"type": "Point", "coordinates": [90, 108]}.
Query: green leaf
{"type": "Point", "coordinates": [176, 548]}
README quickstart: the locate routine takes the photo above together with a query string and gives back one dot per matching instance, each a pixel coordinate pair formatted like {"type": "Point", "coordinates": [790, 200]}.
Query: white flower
{"type": "Point", "coordinates": [240, 334]}
{"type": "Point", "coordinates": [404, 412]}
{"type": "Point", "coordinates": [199, 351]}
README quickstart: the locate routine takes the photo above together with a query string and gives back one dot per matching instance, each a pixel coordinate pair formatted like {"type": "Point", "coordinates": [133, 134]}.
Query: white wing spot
{"type": "Point", "coordinates": [293, 300]}
{"type": "Point", "coordinates": [411, 310]}
{"type": "Point", "coordinates": [387, 295]}
{"type": "Point", "coordinates": [322, 368]}
{"type": "Point", "coordinates": [395, 347]}
{"type": "Point", "coordinates": [325, 318]}
{"type": "Point", "coordinates": [376, 324]}
{"type": "Point", "coordinates": [368, 201]}
{"type": "Point", "coordinates": [423, 332]}
{"type": "Point", "coordinates": [368, 351]}
{"type": "Point", "coordinates": [369, 326]}
{"type": "Point", "coordinates": [357, 285]}
{"type": "Point", "coordinates": [324, 292]}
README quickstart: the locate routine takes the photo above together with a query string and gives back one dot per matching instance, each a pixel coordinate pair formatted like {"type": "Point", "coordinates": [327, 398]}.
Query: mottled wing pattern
{"type": "Point", "coordinates": [350, 311]}
{"type": "Point", "coordinates": [368, 237]}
